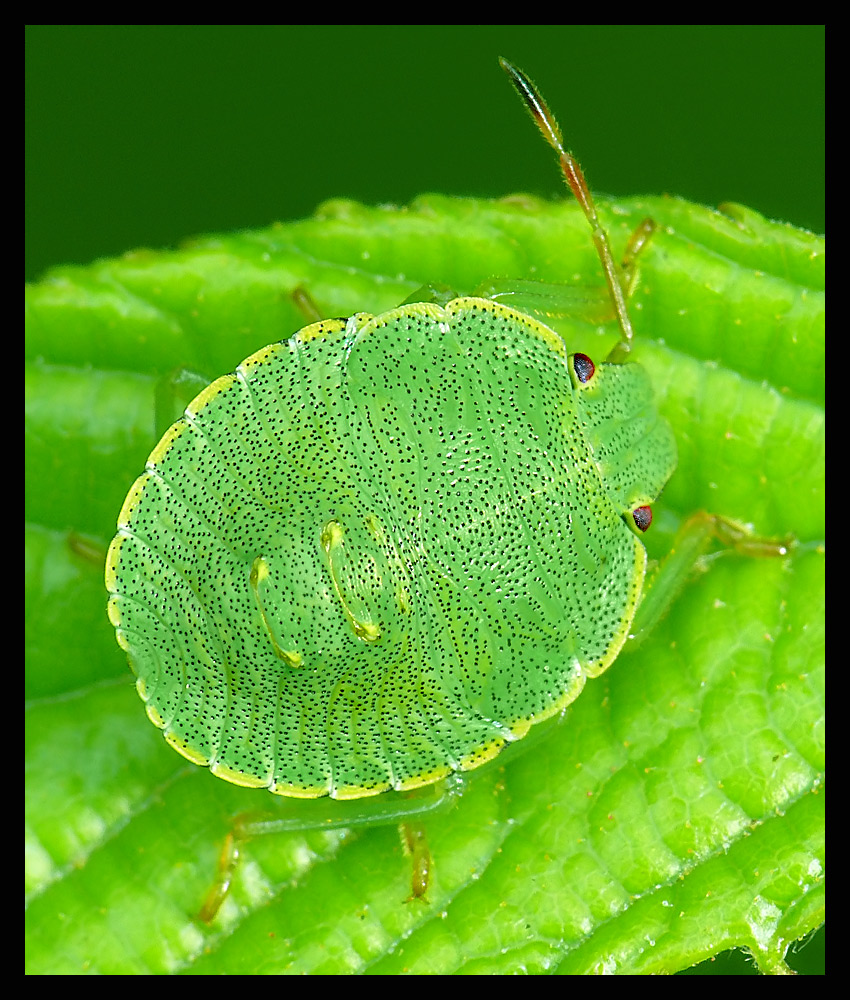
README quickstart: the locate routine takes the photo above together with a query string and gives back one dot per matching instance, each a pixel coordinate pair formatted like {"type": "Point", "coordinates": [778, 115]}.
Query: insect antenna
{"type": "Point", "coordinates": [574, 177]}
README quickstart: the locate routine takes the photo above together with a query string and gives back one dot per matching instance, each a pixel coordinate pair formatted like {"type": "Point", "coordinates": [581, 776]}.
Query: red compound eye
{"type": "Point", "coordinates": [642, 516]}
{"type": "Point", "coordinates": [584, 368]}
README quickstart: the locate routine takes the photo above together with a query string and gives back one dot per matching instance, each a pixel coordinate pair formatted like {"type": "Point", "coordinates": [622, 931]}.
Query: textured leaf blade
{"type": "Point", "coordinates": [685, 754]}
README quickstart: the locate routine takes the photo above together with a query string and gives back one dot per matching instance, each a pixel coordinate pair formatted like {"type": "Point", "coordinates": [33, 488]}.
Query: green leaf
{"type": "Point", "coordinates": [677, 812]}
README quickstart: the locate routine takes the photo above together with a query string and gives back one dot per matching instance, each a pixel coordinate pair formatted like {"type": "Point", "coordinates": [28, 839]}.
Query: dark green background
{"type": "Point", "coordinates": [142, 135]}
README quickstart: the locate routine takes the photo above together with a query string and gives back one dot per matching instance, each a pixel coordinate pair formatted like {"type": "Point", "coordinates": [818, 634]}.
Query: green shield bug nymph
{"type": "Point", "coordinates": [385, 549]}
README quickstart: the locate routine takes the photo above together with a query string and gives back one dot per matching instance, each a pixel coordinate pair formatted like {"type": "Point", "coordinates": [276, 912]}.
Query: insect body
{"type": "Point", "coordinates": [386, 548]}
{"type": "Point", "coordinates": [400, 541]}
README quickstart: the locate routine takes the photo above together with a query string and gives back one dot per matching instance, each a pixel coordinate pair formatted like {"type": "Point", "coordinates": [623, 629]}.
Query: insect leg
{"type": "Point", "coordinates": [306, 304]}
{"type": "Point", "coordinates": [637, 243]}
{"type": "Point", "coordinates": [228, 861]}
{"type": "Point", "coordinates": [690, 544]}
{"type": "Point", "coordinates": [415, 843]}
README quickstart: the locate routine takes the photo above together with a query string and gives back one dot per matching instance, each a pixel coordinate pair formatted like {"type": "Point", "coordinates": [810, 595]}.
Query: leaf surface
{"type": "Point", "coordinates": [677, 812]}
